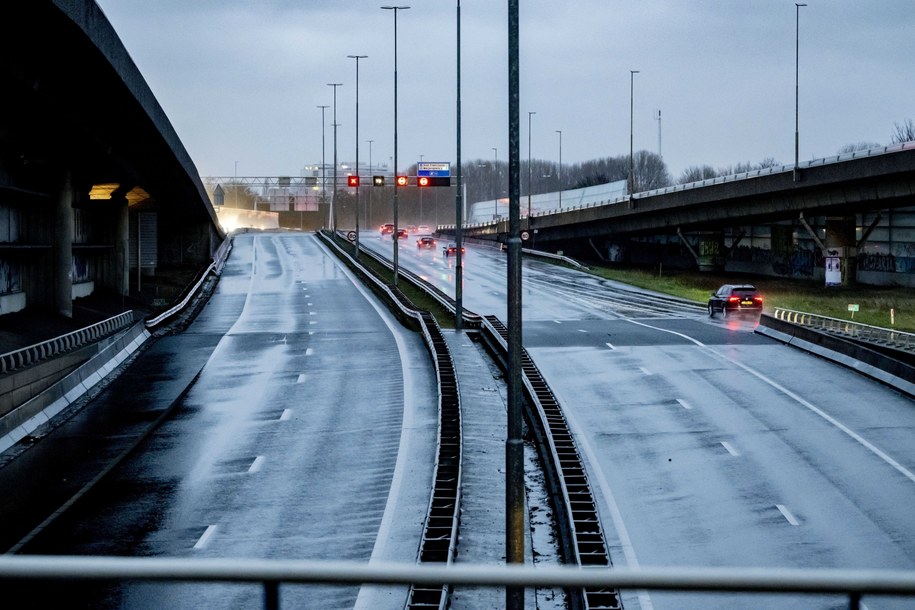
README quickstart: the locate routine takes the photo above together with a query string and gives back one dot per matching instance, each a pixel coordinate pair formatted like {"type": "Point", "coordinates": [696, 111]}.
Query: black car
{"type": "Point", "coordinates": [735, 299]}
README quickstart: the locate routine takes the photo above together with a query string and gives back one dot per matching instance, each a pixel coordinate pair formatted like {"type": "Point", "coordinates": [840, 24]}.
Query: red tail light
{"type": "Point", "coordinates": [733, 299]}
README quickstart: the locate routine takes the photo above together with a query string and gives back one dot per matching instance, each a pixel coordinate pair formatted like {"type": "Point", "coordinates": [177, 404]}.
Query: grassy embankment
{"type": "Point", "coordinates": [875, 302]}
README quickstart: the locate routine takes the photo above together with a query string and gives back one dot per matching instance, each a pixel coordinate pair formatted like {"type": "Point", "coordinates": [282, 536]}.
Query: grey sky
{"type": "Point", "coordinates": [241, 80]}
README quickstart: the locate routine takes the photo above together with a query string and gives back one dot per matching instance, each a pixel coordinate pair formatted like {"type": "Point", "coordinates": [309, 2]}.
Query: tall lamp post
{"type": "Point", "coordinates": [357, 58]}
{"type": "Point", "coordinates": [559, 171]}
{"type": "Point", "coordinates": [632, 74]}
{"type": "Point", "coordinates": [368, 213]}
{"type": "Point", "coordinates": [324, 164]}
{"type": "Point", "coordinates": [333, 196]}
{"type": "Point", "coordinates": [495, 181]}
{"type": "Point", "coordinates": [458, 195]}
{"type": "Point", "coordinates": [394, 9]}
{"type": "Point", "coordinates": [797, 61]}
{"type": "Point", "coordinates": [529, 168]}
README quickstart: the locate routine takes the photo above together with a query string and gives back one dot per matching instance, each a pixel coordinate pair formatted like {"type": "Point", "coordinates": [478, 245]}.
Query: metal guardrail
{"type": "Point", "coordinates": [33, 354]}
{"type": "Point", "coordinates": [270, 573]}
{"type": "Point", "coordinates": [846, 328]}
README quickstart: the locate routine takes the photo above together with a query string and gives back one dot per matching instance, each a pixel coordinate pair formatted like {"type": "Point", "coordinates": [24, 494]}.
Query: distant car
{"type": "Point", "coordinates": [452, 249]}
{"type": "Point", "coordinates": [735, 299]}
{"type": "Point", "coordinates": [423, 230]}
{"type": "Point", "coordinates": [412, 228]}
{"type": "Point", "coordinates": [402, 234]}
{"type": "Point", "coordinates": [425, 242]}
{"type": "Point", "coordinates": [387, 229]}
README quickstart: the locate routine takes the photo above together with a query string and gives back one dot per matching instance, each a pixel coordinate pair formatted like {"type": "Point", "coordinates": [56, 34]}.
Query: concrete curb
{"type": "Point", "coordinates": [842, 351]}
{"type": "Point", "coordinates": [23, 420]}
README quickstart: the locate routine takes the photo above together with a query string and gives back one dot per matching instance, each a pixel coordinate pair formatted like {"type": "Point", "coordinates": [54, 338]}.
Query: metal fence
{"type": "Point", "coordinates": [270, 574]}
{"type": "Point", "coordinates": [852, 330]}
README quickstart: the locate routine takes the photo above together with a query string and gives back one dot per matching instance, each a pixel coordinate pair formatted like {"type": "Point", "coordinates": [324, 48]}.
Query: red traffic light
{"type": "Point", "coordinates": [401, 181]}
{"type": "Point", "coordinates": [433, 181]}
{"type": "Point", "coordinates": [352, 180]}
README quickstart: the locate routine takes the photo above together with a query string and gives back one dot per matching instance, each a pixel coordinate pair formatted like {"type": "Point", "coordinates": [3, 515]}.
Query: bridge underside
{"type": "Point", "coordinates": [854, 211]}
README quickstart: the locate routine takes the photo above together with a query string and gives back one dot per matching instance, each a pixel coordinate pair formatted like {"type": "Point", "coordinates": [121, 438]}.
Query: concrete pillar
{"type": "Point", "coordinates": [841, 243]}
{"type": "Point", "coordinates": [63, 248]}
{"type": "Point", "coordinates": [121, 249]}
{"type": "Point", "coordinates": [711, 252]}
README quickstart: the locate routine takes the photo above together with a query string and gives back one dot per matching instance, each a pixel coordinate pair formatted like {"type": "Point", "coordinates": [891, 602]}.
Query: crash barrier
{"type": "Point", "coordinates": [849, 329]}
{"type": "Point", "coordinates": [32, 354]}
{"type": "Point", "coordinates": [852, 584]}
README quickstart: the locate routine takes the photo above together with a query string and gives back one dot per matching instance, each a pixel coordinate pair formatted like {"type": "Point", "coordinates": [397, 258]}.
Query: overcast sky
{"type": "Point", "coordinates": [241, 80]}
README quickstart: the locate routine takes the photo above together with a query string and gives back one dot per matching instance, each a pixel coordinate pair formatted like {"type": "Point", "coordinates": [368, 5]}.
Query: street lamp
{"type": "Point", "coordinates": [368, 213]}
{"type": "Point", "coordinates": [333, 196]}
{"type": "Point", "coordinates": [396, 187]}
{"type": "Point", "coordinates": [495, 181]}
{"type": "Point", "coordinates": [529, 169]}
{"type": "Point", "coordinates": [797, 49]}
{"type": "Point", "coordinates": [632, 74]}
{"type": "Point", "coordinates": [236, 184]}
{"type": "Point", "coordinates": [458, 194]}
{"type": "Point", "coordinates": [357, 58]}
{"type": "Point", "coordinates": [323, 163]}
{"type": "Point", "coordinates": [559, 171]}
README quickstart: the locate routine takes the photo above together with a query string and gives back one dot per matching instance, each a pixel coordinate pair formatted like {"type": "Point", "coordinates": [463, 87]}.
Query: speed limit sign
{"type": "Point", "coordinates": [525, 236]}
{"type": "Point", "coordinates": [351, 236]}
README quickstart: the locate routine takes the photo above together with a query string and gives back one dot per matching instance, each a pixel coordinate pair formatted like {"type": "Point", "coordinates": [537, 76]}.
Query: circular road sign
{"type": "Point", "coordinates": [351, 236]}
{"type": "Point", "coordinates": [525, 235]}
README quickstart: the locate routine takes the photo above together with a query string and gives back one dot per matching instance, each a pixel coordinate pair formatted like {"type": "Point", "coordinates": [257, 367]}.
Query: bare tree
{"type": "Point", "coordinates": [697, 173]}
{"type": "Point", "coordinates": [650, 172]}
{"type": "Point", "coordinates": [905, 132]}
{"type": "Point", "coordinates": [850, 148]}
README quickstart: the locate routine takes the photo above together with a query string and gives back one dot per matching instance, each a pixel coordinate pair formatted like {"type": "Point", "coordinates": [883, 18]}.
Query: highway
{"type": "Point", "coordinates": [268, 446]}
{"type": "Point", "coordinates": [707, 443]}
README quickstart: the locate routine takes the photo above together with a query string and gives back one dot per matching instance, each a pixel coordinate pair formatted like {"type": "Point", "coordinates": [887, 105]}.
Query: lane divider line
{"type": "Point", "coordinates": [787, 514]}
{"type": "Point", "coordinates": [205, 539]}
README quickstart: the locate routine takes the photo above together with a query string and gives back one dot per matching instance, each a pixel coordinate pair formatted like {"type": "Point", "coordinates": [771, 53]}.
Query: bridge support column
{"type": "Point", "coordinates": [710, 252]}
{"type": "Point", "coordinates": [63, 248]}
{"type": "Point", "coordinates": [840, 251]}
{"type": "Point", "coordinates": [122, 249]}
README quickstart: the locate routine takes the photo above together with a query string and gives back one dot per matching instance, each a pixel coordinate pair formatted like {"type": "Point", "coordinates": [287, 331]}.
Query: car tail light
{"type": "Point", "coordinates": [758, 300]}
{"type": "Point", "coordinates": [733, 299]}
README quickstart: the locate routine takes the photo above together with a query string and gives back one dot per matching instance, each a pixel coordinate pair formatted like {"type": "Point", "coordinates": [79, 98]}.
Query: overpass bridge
{"type": "Point", "coordinates": [850, 207]}
{"type": "Point", "coordinates": [97, 193]}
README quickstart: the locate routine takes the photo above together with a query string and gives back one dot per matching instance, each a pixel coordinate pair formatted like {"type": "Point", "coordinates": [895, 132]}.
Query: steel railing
{"type": "Point", "coordinates": [846, 328]}
{"type": "Point", "coordinates": [33, 354]}
{"type": "Point", "coordinates": [853, 584]}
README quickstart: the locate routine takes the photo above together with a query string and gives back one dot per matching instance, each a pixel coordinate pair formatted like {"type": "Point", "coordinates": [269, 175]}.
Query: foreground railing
{"type": "Point", "coordinates": [852, 584]}
{"type": "Point", "coordinates": [862, 332]}
{"type": "Point", "coordinates": [32, 354]}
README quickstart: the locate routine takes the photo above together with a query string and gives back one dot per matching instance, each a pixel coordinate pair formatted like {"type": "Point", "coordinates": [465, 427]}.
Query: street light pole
{"type": "Point", "coordinates": [357, 58]}
{"type": "Point", "coordinates": [559, 171]}
{"type": "Point", "coordinates": [529, 169]}
{"type": "Point", "coordinates": [396, 187]}
{"type": "Point", "coordinates": [333, 196]}
{"type": "Point", "coordinates": [368, 213]}
{"type": "Point", "coordinates": [236, 184]}
{"type": "Point", "coordinates": [495, 181]}
{"type": "Point", "coordinates": [324, 164]}
{"type": "Point", "coordinates": [458, 196]}
{"type": "Point", "coordinates": [797, 62]}
{"type": "Point", "coordinates": [632, 74]}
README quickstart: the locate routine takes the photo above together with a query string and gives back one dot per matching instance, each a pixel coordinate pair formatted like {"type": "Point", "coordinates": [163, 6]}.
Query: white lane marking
{"type": "Point", "coordinates": [730, 448]}
{"type": "Point", "coordinates": [311, 332]}
{"type": "Point", "coordinates": [811, 407]}
{"type": "Point", "coordinates": [309, 351]}
{"type": "Point", "coordinates": [787, 514]}
{"type": "Point", "coordinates": [593, 467]}
{"type": "Point", "coordinates": [257, 464]}
{"type": "Point", "coordinates": [300, 378]}
{"type": "Point", "coordinates": [309, 304]}
{"type": "Point", "coordinates": [205, 539]}
{"type": "Point", "coordinates": [581, 330]}
{"type": "Point", "coordinates": [685, 404]}
{"type": "Point", "coordinates": [557, 322]}
{"type": "Point", "coordinates": [287, 413]}
{"type": "Point", "coordinates": [644, 370]}
{"type": "Point", "coordinates": [311, 313]}
{"type": "Point", "coordinates": [610, 345]}
{"type": "Point", "coordinates": [312, 322]}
